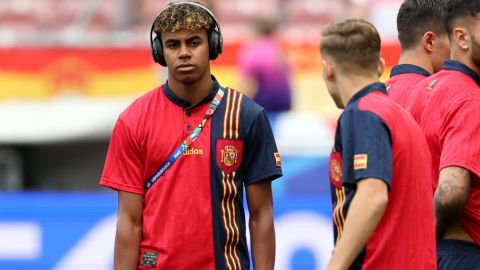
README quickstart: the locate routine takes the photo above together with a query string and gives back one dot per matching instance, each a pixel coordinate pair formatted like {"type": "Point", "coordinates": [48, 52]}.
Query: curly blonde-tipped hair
{"type": "Point", "coordinates": [182, 16]}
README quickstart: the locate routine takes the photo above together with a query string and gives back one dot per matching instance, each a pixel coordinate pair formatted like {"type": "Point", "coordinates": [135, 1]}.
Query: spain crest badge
{"type": "Point", "coordinates": [336, 169]}
{"type": "Point", "coordinates": [229, 154]}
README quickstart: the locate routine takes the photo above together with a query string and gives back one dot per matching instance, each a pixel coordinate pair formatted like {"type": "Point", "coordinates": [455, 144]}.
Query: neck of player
{"type": "Point", "coordinates": [464, 58]}
{"type": "Point", "coordinates": [350, 85]}
{"type": "Point", "coordinates": [416, 58]}
{"type": "Point", "coordinates": [193, 92]}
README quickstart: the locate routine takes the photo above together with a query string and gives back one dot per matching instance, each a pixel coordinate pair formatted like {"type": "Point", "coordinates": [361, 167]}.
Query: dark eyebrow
{"type": "Point", "coordinates": [190, 39]}
{"type": "Point", "coordinates": [171, 40]}
{"type": "Point", "coordinates": [193, 38]}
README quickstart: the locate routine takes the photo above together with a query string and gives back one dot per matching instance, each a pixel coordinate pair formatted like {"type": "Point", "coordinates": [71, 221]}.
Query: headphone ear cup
{"type": "Point", "coordinates": [215, 44]}
{"type": "Point", "coordinates": [157, 52]}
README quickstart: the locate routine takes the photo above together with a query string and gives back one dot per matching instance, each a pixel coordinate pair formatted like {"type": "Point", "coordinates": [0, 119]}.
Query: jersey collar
{"type": "Point", "coordinates": [408, 68]}
{"type": "Point", "coordinates": [377, 86]}
{"type": "Point", "coordinates": [458, 66]}
{"type": "Point", "coordinates": [185, 104]}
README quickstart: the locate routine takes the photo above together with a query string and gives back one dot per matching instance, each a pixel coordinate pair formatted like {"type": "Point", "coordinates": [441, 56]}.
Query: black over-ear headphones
{"type": "Point", "coordinates": [215, 39]}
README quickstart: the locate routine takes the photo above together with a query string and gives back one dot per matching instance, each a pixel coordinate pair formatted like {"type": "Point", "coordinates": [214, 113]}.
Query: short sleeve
{"type": "Point", "coordinates": [460, 137]}
{"type": "Point", "coordinates": [367, 145]}
{"type": "Point", "coordinates": [262, 160]}
{"type": "Point", "coordinates": [123, 168]}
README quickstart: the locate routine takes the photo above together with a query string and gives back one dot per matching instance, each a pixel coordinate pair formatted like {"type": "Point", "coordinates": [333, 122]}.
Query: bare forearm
{"type": "Point", "coordinates": [127, 246]}
{"type": "Point", "coordinates": [262, 234]}
{"type": "Point", "coordinates": [262, 231]}
{"type": "Point", "coordinates": [364, 214]}
{"type": "Point", "coordinates": [450, 197]}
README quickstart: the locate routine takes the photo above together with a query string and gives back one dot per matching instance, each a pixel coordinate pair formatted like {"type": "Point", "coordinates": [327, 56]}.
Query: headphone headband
{"type": "Point", "coordinates": [215, 22]}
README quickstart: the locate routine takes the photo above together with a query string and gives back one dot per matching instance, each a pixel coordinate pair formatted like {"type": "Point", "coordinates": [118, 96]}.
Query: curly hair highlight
{"type": "Point", "coordinates": [182, 16]}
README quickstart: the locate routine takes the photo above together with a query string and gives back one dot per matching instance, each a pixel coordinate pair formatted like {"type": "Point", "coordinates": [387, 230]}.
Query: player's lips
{"type": "Point", "coordinates": [185, 67]}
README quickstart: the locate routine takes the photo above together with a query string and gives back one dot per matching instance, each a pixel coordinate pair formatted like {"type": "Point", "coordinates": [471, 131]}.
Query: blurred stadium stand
{"type": "Point", "coordinates": [126, 22]}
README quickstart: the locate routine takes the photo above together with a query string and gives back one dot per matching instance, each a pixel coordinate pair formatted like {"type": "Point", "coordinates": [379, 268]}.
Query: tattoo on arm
{"type": "Point", "coordinates": [451, 195]}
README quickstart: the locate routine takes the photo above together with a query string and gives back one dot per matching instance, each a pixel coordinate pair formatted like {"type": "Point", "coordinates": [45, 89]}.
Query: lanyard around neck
{"type": "Point", "coordinates": [188, 141]}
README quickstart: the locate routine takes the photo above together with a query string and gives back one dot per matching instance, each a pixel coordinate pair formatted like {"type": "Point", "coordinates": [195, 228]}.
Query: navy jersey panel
{"type": "Point", "coordinates": [364, 133]}
{"type": "Point", "coordinates": [456, 254]}
{"type": "Point", "coordinates": [260, 151]}
{"type": "Point", "coordinates": [219, 237]}
{"type": "Point", "coordinates": [239, 128]}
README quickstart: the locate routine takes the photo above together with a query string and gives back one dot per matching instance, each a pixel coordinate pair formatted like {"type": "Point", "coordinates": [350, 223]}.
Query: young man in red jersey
{"type": "Point", "coordinates": [425, 47]}
{"type": "Point", "coordinates": [180, 155]}
{"type": "Point", "coordinates": [451, 123]}
{"type": "Point", "coordinates": [383, 212]}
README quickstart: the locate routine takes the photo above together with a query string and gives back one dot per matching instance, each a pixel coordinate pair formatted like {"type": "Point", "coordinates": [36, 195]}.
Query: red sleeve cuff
{"type": "Point", "coordinates": [117, 186]}
{"type": "Point", "coordinates": [461, 163]}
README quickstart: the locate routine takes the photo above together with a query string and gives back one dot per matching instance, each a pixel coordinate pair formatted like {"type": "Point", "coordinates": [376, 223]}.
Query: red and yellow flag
{"type": "Point", "coordinates": [360, 161]}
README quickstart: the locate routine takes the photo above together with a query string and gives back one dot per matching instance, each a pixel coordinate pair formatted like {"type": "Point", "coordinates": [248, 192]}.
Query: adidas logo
{"type": "Point", "coordinates": [193, 151]}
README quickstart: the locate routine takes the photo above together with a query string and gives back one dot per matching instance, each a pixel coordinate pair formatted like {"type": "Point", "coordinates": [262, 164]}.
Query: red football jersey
{"type": "Point", "coordinates": [451, 123]}
{"type": "Point", "coordinates": [193, 216]}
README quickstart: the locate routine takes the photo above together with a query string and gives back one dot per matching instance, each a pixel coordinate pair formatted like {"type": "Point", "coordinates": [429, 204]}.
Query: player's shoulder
{"type": "Point", "coordinates": [428, 83]}
{"type": "Point", "coordinates": [452, 87]}
{"type": "Point", "coordinates": [377, 105]}
{"type": "Point", "coordinates": [249, 109]}
{"type": "Point", "coordinates": [363, 108]}
{"type": "Point", "coordinates": [375, 101]}
{"type": "Point", "coordinates": [355, 119]}
{"type": "Point", "coordinates": [141, 105]}
{"type": "Point", "coordinates": [456, 80]}
{"type": "Point", "coordinates": [406, 80]}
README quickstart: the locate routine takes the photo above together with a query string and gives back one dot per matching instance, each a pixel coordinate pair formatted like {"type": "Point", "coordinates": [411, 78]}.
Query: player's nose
{"type": "Point", "coordinates": [185, 51]}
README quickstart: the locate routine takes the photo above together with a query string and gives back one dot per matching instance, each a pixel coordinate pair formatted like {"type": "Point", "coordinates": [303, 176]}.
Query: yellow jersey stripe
{"type": "Point", "coordinates": [237, 231]}
{"type": "Point", "coordinates": [338, 220]}
{"type": "Point", "coordinates": [227, 231]}
{"type": "Point", "coordinates": [226, 114]}
{"type": "Point", "coordinates": [237, 121]}
{"type": "Point", "coordinates": [230, 214]}
{"type": "Point", "coordinates": [234, 97]}
{"type": "Point", "coordinates": [342, 217]}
